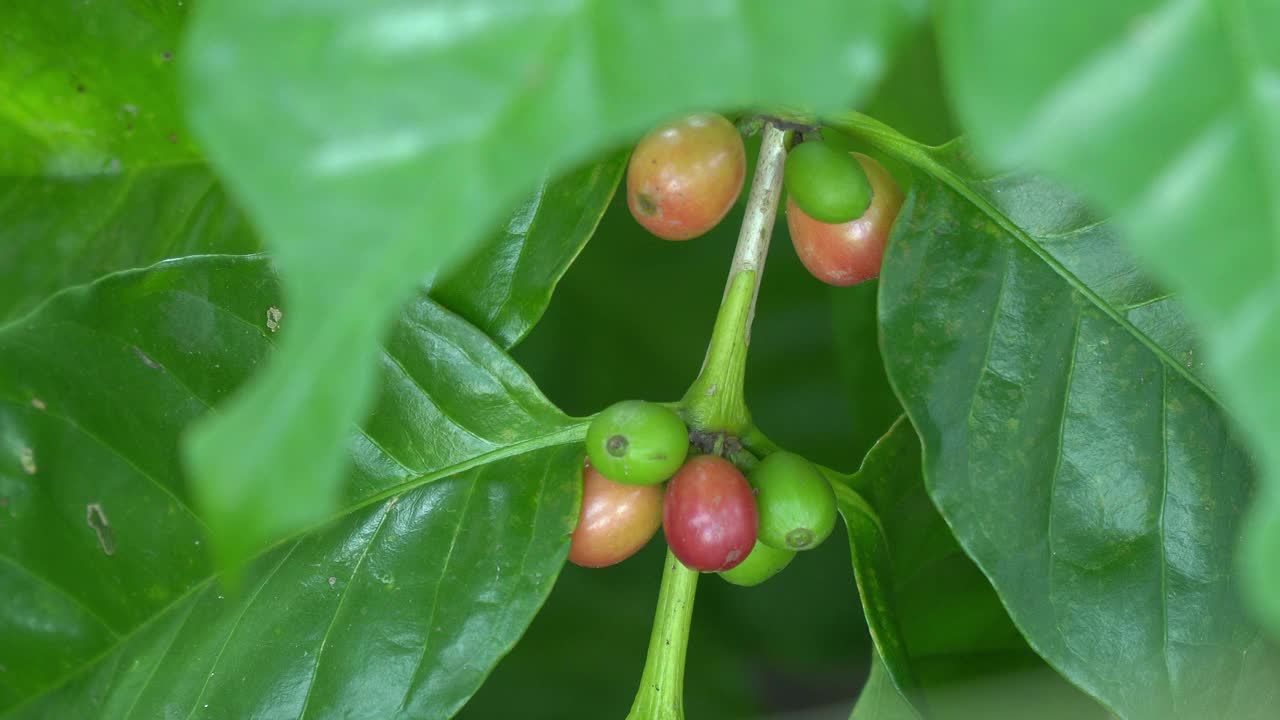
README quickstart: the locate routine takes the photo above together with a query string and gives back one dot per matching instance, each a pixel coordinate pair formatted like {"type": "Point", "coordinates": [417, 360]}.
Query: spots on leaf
{"type": "Point", "coordinates": [274, 314]}
{"type": "Point", "coordinates": [96, 519]}
{"type": "Point", "coordinates": [146, 359]}
{"type": "Point", "coordinates": [27, 458]}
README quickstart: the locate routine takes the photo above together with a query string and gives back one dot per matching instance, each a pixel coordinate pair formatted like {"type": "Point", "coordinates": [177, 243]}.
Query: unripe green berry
{"type": "Point", "coordinates": [796, 503]}
{"type": "Point", "coordinates": [762, 563]}
{"type": "Point", "coordinates": [827, 184]}
{"type": "Point", "coordinates": [637, 442]}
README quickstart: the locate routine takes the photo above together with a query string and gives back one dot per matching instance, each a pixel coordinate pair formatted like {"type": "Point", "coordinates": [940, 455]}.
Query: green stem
{"type": "Point", "coordinates": [715, 401]}
{"type": "Point", "coordinates": [661, 693]}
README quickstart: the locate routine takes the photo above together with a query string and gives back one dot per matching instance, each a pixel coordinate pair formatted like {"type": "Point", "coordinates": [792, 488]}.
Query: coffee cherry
{"type": "Point", "coordinates": [709, 515]}
{"type": "Point", "coordinates": [796, 504]}
{"type": "Point", "coordinates": [616, 520]}
{"type": "Point", "coordinates": [762, 563]}
{"type": "Point", "coordinates": [848, 253]}
{"type": "Point", "coordinates": [685, 175]}
{"type": "Point", "coordinates": [827, 184]}
{"type": "Point", "coordinates": [637, 442]}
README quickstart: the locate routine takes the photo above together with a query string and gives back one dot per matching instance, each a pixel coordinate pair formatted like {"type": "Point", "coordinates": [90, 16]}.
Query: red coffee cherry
{"type": "Point", "coordinates": [709, 515]}
{"type": "Point", "coordinates": [685, 175]}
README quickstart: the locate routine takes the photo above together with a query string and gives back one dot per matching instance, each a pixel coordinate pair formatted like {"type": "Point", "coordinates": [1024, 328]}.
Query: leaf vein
{"type": "Point", "coordinates": [315, 673]}
{"type": "Point", "coordinates": [235, 625]}
{"type": "Point", "coordinates": [435, 600]}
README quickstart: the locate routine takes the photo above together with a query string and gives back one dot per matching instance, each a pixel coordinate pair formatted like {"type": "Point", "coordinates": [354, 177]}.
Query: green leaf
{"type": "Point", "coordinates": [396, 604]}
{"type": "Point", "coordinates": [506, 286]}
{"type": "Point", "coordinates": [56, 232]}
{"type": "Point", "coordinates": [879, 699]}
{"type": "Point", "coordinates": [375, 143]}
{"type": "Point", "coordinates": [1070, 439]}
{"type": "Point", "coordinates": [97, 170]}
{"type": "Point", "coordinates": [90, 88]}
{"type": "Point", "coordinates": [872, 567]}
{"type": "Point", "coordinates": [905, 558]}
{"type": "Point", "coordinates": [945, 647]}
{"type": "Point", "coordinates": [1167, 115]}
{"type": "Point", "coordinates": [1012, 692]}
{"type": "Point", "coordinates": [93, 185]}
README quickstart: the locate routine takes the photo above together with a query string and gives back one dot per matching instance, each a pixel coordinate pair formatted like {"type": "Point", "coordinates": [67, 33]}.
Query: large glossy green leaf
{"type": "Point", "coordinates": [454, 523]}
{"type": "Point", "coordinates": [90, 88]}
{"type": "Point", "coordinates": [375, 142]}
{"type": "Point", "coordinates": [1167, 114]}
{"type": "Point", "coordinates": [1069, 438]}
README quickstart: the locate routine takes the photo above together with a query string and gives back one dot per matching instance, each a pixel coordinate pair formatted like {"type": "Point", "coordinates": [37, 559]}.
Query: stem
{"type": "Point", "coordinates": [716, 401]}
{"type": "Point", "coordinates": [661, 693]}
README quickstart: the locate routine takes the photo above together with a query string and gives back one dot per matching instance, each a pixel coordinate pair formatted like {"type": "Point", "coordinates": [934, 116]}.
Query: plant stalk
{"type": "Point", "coordinates": [715, 401]}
{"type": "Point", "coordinates": [661, 693]}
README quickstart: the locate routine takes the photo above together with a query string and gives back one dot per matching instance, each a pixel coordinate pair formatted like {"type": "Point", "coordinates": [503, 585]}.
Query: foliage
{"type": "Point", "coordinates": [305, 309]}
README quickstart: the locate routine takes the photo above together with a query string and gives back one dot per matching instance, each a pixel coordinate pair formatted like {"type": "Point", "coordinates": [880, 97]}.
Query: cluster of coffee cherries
{"type": "Point", "coordinates": [640, 475]}
{"type": "Point", "coordinates": [685, 175]}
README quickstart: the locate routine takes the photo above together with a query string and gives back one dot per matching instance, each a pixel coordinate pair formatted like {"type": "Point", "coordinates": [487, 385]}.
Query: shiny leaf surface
{"type": "Point", "coordinates": [388, 154]}
{"type": "Point", "coordinates": [396, 605]}
{"type": "Point", "coordinates": [1167, 114]}
{"type": "Point", "coordinates": [1070, 438]}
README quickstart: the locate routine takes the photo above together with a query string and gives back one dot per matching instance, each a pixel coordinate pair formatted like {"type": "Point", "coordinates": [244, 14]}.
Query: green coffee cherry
{"type": "Point", "coordinates": [762, 563]}
{"type": "Point", "coordinates": [797, 505]}
{"type": "Point", "coordinates": [637, 442]}
{"type": "Point", "coordinates": [827, 184]}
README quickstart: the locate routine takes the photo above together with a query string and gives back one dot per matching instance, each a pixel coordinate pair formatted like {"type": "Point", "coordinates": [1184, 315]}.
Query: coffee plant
{"type": "Point", "coordinates": [346, 370]}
